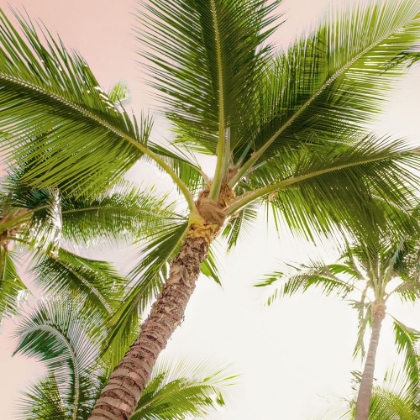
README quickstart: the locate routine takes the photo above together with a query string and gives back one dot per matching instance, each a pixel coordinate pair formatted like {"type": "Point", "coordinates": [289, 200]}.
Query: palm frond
{"type": "Point", "coordinates": [57, 334]}
{"type": "Point", "coordinates": [12, 290]}
{"type": "Point", "coordinates": [147, 278]}
{"type": "Point", "coordinates": [56, 115]}
{"type": "Point", "coordinates": [240, 225]}
{"type": "Point", "coordinates": [210, 266]}
{"type": "Point", "coordinates": [42, 401]}
{"type": "Point", "coordinates": [94, 282]}
{"type": "Point", "coordinates": [315, 274]}
{"type": "Point", "coordinates": [183, 162]}
{"type": "Point", "coordinates": [205, 59]}
{"type": "Point", "coordinates": [180, 389]}
{"type": "Point", "coordinates": [364, 313]}
{"type": "Point", "coordinates": [126, 211]}
{"type": "Point", "coordinates": [315, 189]}
{"type": "Point", "coordinates": [406, 340]}
{"type": "Point", "coordinates": [324, 88]}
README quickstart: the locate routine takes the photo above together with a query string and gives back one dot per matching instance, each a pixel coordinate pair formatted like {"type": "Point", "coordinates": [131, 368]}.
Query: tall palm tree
{"type": "Point", "coordinates": [67, 337]}
{"type": "Point", "coordinates": [365, 271]}
{"type": "Point", "coordinates": [288, 130]}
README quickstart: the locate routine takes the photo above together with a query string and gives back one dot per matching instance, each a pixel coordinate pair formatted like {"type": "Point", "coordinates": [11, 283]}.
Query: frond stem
{"type": "Point", "coordinates": [223, 144]}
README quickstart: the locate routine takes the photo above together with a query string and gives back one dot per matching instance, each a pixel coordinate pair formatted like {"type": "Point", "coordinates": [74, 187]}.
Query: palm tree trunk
{"type": "Point", "coordinates": [120, 396]}
{"type": "Point", "coordinates": [366, 384]}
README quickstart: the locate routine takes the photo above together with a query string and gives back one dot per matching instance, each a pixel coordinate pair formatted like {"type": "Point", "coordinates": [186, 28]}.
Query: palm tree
{"type": "Point", "coordinates": [397, 398]}
{"type": "Point", "coordinates": [288, 130]}
{"type": "Point", "coordinates": [365, 270]}
{"type": "Point", "coordinates": [67, 337]}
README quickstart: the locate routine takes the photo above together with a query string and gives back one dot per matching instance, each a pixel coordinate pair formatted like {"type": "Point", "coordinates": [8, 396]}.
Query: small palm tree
{"type": "Point", "coordinates": [366, 271]}
{"type": "Point", "coordinates": [288, 130]}
{"type": "Point", "coordinates": [67, 337]}
{"type": "Point", "coordinates": [397, 398]}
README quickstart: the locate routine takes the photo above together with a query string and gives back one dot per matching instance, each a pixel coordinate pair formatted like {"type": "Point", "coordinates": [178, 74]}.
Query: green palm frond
{"type": "Point", "coordinates": [325, 88]}
{"type": "Point", "coordinates": [96, 283]}
{"type": "Point", "coordinates": [56, 115]}
{"type": "Point", "coordinates": [180, 389]}
{"type": "Point", "coordinates": [119, 93]}
{"type": "Point", "coordinates": [148, 277]}
{"type": "Point", "coordinates": [190, 46]}
{"type": "Point", "coordinates": [183, 162]}
{"type": "Point", "coordinates": [406, 340]}
{"type": "Point", "coordinates": [364, 314]}
{"type": "Point", "coordinates": [125, 211]}
{"type": "Point", "coordinates": [42, 401]}
{"type": "Point", "coordinates": [210, 267]}
{"type": "Point", "coordinates": [314, 274]}
{"type": "Point", "coordinates": [57, 334]}
{"type": "Point", "coordinates": [12, 289]}
{"type": "Point", "coordinates": [240, 225]}
{"type": "Point", "coordinates": [309, 188]}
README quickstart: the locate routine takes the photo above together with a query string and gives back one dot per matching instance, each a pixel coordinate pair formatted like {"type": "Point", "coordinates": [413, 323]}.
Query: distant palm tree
{"type": "Point", "coordinates": [365, 271]}
{"type": "Point", "coordinates": [288, 130]}
{"type": "Point", "coordinates": [68, 338]}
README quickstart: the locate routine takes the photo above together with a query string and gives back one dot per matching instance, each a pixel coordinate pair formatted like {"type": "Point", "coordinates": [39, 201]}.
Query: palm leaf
{"type": "Point", "coordinates": [240, 225]}
{"type": "Point", "coordinates": [178, 390]}
{"type": "Point", "coordinates": [407, 340]}
{"type": "Point", "coordinates": [205, 59]}
{"type": "Point", "coordinates": [210, 266]}
{"type": "Point", "coordinates": [42, 401]}
{"type": "Point", "coordinates": [325, 88]}
{"type": "Point", "coordinates": [95, 282]}
{"type": "Point", "coordinates": [309, 188]}
{"type": "Point", "coordinates": [57, 117]}
{"type": "Point", "coordinates": [125, 211]}
{"type": "Point", "coordinates": [56, 333]}
{"type": "Point", "coordinates": [12, 289]}
{"type": "Point", "coordinates": [316, 275]}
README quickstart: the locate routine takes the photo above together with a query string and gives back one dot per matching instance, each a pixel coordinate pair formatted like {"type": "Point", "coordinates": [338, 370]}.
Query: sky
{"type": "Point", "coordinates": [293, 357]}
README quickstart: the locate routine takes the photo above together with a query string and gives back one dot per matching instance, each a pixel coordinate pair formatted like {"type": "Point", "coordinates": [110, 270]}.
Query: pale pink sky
{"type": "Point", "coordinates": [283, 352]}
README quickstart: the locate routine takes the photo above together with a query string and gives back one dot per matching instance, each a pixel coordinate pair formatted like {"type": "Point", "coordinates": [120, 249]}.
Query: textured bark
{"type": "Point", "coordinates": [366, 384]}
{"type": "Point", "coordinates": [120, 396]}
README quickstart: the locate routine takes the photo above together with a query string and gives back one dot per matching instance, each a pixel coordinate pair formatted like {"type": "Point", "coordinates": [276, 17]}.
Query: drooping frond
{"type": "Point", "coordinates": [210, 267]}
{"type": "Point", "coordinates": [57, 334]}
{"type": "Point", "coordinates": [314, 274]}
{"type": "Point", "coordinates": [364, 314]}
{"type": "Point", "coordinates": [96, 283]}
{"type": "Point", "coordinates": [407, 340]}
{"type": "Point", "coordinates": [56, 116]}
{"type": "Point", "coordinates": [148, 277]}
{"type": "Point", "coordinates": [42, 400]}
{"type": "Point", "coordinates": [125, 211]}
{"type": "Point", "coordinates": [179, 389]}
{"type": "Point", "coordinates": [318, 187]}
{"type": "Point", "coordinates": [240, 225]}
